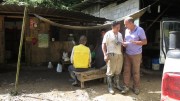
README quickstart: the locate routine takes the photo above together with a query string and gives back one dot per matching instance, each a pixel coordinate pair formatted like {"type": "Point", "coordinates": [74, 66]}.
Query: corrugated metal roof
{"type": "Point", "coordinates": [88, 3]}
{"type": "Point", "coordinates": [73, 16]}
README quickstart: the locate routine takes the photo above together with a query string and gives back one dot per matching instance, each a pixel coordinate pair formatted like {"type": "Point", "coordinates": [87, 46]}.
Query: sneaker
{"type": "Point", "coordinates": [74, 83]}
{"type": "Point", "coordinates": [125, 90]}
{"type": "Point", "coordinates": [136, 91]}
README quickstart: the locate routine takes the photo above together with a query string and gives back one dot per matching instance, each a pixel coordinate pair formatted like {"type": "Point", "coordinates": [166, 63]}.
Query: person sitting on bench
{"type": "Point", "coordinates": [99, 57]}
{"type": "Point", "coordinates": [80, 58]}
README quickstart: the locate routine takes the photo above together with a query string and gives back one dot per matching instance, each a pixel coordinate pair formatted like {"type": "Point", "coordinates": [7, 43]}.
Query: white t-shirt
{"type": "Point", "coordinates": [110, 39]}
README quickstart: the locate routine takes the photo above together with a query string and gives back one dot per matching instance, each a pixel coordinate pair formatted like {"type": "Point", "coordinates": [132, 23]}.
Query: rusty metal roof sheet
{"type": "Point", "coordinates": [74, 16]}
{"type": "Point", "coordinates": [88, 3]}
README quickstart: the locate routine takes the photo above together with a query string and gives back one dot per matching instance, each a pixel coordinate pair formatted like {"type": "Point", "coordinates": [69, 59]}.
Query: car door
{"type": "Point", "coordinates": [165, 27]}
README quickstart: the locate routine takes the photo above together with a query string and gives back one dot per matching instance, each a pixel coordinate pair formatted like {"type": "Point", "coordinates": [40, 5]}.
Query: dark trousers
{"type": "Point", "coordinates": [71, 70]}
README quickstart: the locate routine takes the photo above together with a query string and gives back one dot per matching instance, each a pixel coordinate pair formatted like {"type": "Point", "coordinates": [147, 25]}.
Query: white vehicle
{"type": "Point", "coordinates": [171, 74]}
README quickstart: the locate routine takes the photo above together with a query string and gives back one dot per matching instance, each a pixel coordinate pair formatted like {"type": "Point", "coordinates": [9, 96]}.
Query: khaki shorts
{"type": "Point", "coordinates": [114, 65]}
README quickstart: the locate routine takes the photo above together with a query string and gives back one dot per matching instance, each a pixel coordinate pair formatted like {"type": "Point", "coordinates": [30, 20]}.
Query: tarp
{"type": "Point", "coordinates": [135, 15]}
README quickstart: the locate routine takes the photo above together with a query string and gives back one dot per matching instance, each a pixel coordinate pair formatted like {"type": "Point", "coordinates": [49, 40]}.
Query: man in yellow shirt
{"type": "Point", "coordinates": [80, 58]}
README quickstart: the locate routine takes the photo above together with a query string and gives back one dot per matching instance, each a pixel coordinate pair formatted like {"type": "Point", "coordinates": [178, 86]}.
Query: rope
{"type": "Point", "coordinates": [134, 15]}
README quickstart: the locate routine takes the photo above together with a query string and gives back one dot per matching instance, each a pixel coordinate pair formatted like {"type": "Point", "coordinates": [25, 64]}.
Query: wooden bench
{"type": "Point", "coordinates": [91, 74]}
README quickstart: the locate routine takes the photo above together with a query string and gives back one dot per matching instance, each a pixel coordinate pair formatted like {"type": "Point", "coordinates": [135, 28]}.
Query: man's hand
{"type": "Point", "coordinates": [106, 58]}
{"type": "Point", "coordinates": [124, 44]}
{"type": "Point", "coordinates": [136, 42]}
{"type": "Point", "coordinates": [140, 43]}
{"type": "Point", "coordinates": [104, 49]}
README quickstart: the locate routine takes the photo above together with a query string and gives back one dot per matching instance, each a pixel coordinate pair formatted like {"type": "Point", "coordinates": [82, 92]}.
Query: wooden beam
{"type": "Point", "coordinates": [49, 16]}
{"type": "Point", "coordinates": [14, 16]}
{"type": "Point", "coordinates": [20, 50]}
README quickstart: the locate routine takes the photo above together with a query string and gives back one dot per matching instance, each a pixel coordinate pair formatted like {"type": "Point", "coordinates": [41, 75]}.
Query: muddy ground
{"type": "Point", "coordinates": [42, 84]}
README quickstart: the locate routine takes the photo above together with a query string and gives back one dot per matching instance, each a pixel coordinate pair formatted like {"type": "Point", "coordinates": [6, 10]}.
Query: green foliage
{"type": "Point", "coordinates": [62, 4]}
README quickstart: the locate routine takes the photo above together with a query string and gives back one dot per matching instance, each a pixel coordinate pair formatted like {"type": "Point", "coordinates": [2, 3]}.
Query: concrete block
{"type": "Point", "coordinates": [120, 14]}
{"type": "Point", "coordinates": [125, 14]}
{"type": "Point", "coordinates": [119, 10]}
{"type": "Point", "coordinates": [131, 6]}
{"type": "Point", "coordinates": [136, 2]}
{"type": "Point", "coordinates": [128, 11]}
{"type": "Point", "coordinates": [114, 11]}
{"type": "Point", "coordinates": [123, 9]}
{"type": "Point", "coordinates": [120, 6]}
{"type": "Point", "coordinates": [134, 10]}
{"type": "Point", "coordinates": [115, 16]}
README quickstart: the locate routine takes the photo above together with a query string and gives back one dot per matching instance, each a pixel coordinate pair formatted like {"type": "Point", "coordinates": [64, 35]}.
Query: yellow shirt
{"type": "Point", "coordinates": [81, 56]}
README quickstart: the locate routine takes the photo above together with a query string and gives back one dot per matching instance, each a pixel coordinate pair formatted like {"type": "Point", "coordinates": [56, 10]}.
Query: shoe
{"type": "Point", "coordinates": [125, 90]}
{"type": "Point", "coordinates": [136, 91]}
{"type": "Point", "coordinates": [74, 83]}
{"type": "Point", "coordinates": [117, 84]}
{"type": "Point", "coordinates": [110, 86]}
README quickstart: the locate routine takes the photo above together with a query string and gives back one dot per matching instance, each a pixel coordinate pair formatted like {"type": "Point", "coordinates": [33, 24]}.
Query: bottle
{"type": "Point", "coordinates": [50, 66]}
{"type": "Point", "coordinates": [59, 68]}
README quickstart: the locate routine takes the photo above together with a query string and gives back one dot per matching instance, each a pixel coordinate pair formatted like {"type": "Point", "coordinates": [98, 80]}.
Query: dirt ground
{"type": "Point", "coordinates": [42, 84]}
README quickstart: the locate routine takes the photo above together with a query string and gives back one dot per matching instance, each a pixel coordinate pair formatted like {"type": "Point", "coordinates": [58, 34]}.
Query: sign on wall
{"type": "Point", "coordinates": [43, 40]}
{"type": "Point", "coordinates": [33, 23]}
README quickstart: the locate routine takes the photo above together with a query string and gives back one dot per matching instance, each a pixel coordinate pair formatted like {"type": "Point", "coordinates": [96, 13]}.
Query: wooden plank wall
{"type": "Point", "coordinates": [38, 55]}
{"type": "Point", "coordinates": [56, 49]}
{"type": "Point", "coordinates": [34, 54]}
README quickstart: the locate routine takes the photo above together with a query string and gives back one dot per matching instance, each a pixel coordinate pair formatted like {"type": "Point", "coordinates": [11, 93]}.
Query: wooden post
{"type": "Point", "coordinates": [20, 50]}
{"type": "Point", "coordinates": [2, 39]}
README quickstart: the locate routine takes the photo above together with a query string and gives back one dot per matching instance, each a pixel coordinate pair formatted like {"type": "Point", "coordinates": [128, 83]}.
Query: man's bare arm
{"type": "Point", "coordinates": [141, 43]}
{"type": "Point", "coordinates": [104, 48]}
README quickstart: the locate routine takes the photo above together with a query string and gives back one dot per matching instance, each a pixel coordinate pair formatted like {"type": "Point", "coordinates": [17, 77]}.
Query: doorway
{"type": "Point", "coordinates": [12, 40]}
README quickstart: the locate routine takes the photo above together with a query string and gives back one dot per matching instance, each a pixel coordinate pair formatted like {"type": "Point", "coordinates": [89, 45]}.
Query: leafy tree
{"type": "Point", "coordinates": [63, 4]}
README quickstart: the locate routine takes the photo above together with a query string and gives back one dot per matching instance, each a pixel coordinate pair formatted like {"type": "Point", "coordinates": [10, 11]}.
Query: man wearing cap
{"type": "Point", "coordinates": [112, 48]}
{"type": "Point", "coordinates": [135, 38]}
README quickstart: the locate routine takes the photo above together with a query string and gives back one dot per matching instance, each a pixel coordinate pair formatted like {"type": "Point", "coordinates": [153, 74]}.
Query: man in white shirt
{"type": "Point", "coordinates": [112, 50]}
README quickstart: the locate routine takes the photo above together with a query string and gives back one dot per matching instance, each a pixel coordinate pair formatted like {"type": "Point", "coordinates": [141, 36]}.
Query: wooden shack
{"type": "Point", "coordinates": [42, 42]}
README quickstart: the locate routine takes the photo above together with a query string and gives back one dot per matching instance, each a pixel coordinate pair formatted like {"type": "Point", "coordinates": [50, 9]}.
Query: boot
{"type": "Point", "coordinates": [136, 91]}
{"type": "Point", "coordinates": [125, 90]}
{"type": "Point", "coordinates": [110, 86]}
{"type": "Point", "coordinates": [116, 82]}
